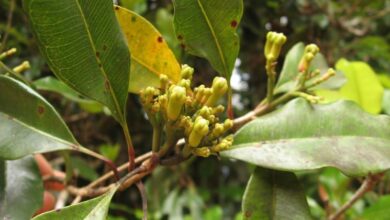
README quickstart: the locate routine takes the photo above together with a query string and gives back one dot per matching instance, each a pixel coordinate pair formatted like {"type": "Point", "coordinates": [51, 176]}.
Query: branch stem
{"type": "Point", "coordinates": [366, 186]}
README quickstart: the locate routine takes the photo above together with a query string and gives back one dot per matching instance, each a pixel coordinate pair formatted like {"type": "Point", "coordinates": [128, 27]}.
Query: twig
{"type": "Point", "coordinates": [366, 186]}
{"type": "Point", "coordinates": [85, 191]}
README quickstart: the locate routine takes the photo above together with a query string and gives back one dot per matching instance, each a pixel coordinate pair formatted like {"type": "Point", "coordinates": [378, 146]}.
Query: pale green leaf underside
{"type": "Point", "coordinates": [94, 209]}
{"type": "Point", "coordinates": [28, 123]}
{"type": "Point", "coordinates": [289, 74]}
{"type": "Point", "coordinates": [21, 188]}
{"type": "Point", "coordinates": [84, 47]}
{"type": "Point", "coordinates": [208, 29]}
{"type": "Point", "coordinates": [52, 84]}
{"type": "Point", "coordinates": [301, 136]}
{"type": "Point", "coordinates": [274, 195]}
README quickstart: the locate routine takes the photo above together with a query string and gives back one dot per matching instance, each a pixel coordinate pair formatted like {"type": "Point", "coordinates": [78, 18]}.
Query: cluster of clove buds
{"type": "Point", "coordinates": [177, 111]}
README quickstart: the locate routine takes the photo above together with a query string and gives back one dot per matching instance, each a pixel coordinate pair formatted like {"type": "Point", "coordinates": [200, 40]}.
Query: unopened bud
{"type": "Point", "coordinates": [22, 67]}
{"type": "Point", "coordinates": [199, 130]}
{"type": "Point", "coordinates": [273, 45]}
{"type": "Point", "coordinates": [310, 52]}
{"type": "Point", "coordinates": [228, 124]}
{"type": "Point", "coordinates": [177, 97]}
{"type": "Point", "coordinates": [201, 151]}
{"type": "Point", "coordinates": [186, 72]}
{"type": "Point", "coordinates": [219, 88]}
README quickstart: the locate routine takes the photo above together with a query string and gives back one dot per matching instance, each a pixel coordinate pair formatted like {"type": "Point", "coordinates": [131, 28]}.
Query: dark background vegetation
{"type": "Point", "coordinates": [212, 188]}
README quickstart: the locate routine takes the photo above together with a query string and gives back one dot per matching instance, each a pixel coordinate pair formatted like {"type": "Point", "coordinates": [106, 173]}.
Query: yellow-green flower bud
{"type": "Point", "coordinates": [177, 97]}
{"type": "Point", "coordinates": [228, 124]}
{"type": "Point", "coordinates": [310, 52]}
{"type": "Point", "coordinates": [186, 72]}
{"type": "Point", "coordinates": [22, 67]}
{"type": "Point", "coordinates": [199, 92]}
{"type": "Point", "coordinates": [218, 110]}
{"type": "Point", "coordinates": [186, 83]}
{"type": "Point", "coordinates": [163, 81]}
{"type": "Point", "coordinates": [219, 88]}
{"type": "Point", "coordinates": [273, 45]}
{"type": "Point", "coordinates": [207, 92]}
{"type": "Point", "coordinates": [218, 130]}
{"type": "Point", "coordinates": [199, 130]}
{"type": "Point", "coordinates": [201, 151]}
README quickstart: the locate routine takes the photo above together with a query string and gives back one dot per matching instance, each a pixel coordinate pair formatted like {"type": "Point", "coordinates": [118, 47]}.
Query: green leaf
{"type": "Point", "coordinates": [85, 48]}
{"type": "Point", "coordinates": [386, 101]}
{"type": "Point", "coordinates": [54, 85]}
{"type": "Point", "coordinates": [94, 209]}
{"type": "Point", "coordinates": [208, 29]}
{"type": "Point", "coordinates": [362, 87]}
{"type": "Point", "coordinates": [21, 188]}
{"type": "Point", "coordinates": [83, 169]}
{"type": "Point", "coordinates": [150, 54]}
{"type": "Point", "coordinates": [301, 136]}
{"type": "Point", "coordinates": [289, 74]}
{"type": "Point", "coordinates": [379, 210]}
{"type": "Point", "coordinates": [28, 123]}
{"type": "Point", "coordinates": [274, 195]}
{"type": "Point", "coordinates": [385, 80]}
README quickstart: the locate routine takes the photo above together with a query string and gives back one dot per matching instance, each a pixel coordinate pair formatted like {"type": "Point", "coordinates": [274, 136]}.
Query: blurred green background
{"type": "Point", "coordinates": [212, 188]}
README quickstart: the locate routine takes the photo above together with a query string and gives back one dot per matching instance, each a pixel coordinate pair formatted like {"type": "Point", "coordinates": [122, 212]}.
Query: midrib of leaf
{"type": "Point", "coordinates": [214, 36]}
{"type": "Point", "coordinates": [118, 109]}
{"type": "Point", "coordinates": [144, 65]}
{"type": "Point", "coordinates": [72, 145]}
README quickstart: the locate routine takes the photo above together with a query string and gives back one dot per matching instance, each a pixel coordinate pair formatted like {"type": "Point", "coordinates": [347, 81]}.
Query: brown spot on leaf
{"type": "Point", "coordinates": [116, 8]}
{"type": "Point", "coordinates": [97, 54]}
{"type": "Point", "coordinates": [233, 23]}
{"type": "Point", "coordinates": [40, 110]}
{"type": "Point", "coordinates": [160, 39]}
{"type": "Point", "coordinates": [133, 19]}
{"type": "Point", "coordinates": [248, 214]}
{"type": "Point", "coordinates": [180, 37]}
{"type": "Point", "coordinates": [183, 46]}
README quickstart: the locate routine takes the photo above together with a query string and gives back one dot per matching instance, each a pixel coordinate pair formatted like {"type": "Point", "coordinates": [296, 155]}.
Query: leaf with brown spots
{"type": "Point", "coordinates": [93, 209]}
{"type": "Point", "coordinates": [274, 195]}
{"type": "Point", "coordinates": [208, 29]}
{"type": "Point", "coordinates": [85, 48]}
{"type": "Point", "coordinates": [28, 123]}
{"type": "Point", "coordinates": [301, 136]}
{"type": "Point", "coordinates": [150, 54]}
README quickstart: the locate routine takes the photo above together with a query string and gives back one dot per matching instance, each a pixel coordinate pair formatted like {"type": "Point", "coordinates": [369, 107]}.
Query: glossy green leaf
{"type": "Point", "coordinates": [85, 48]}
{"type": "Point", "coordinates": [273, 195]}
{"type": "Point", "coordinates": [301, 136]}
{"type": "Point", "coordinates": [28, 123]}
{"type": "Point", "coordinates": [21, 188]}
{"type": "Point", "coordinates": [94, 209]}
{"type": "Point", "coordinates": [289, 73]}
{"type": "Point", "coordinates": [386, 101]}
{"type": "Point", "coordinates": [208, 29]}
{"type": "Point", "coordinates": [379, 210]}
{"type": "Point", "coordinates": [362, 87]}
{"type": "Point", "coordinates": [150, 54]}
{"type": "Point", "coordinates": [54, 85]}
